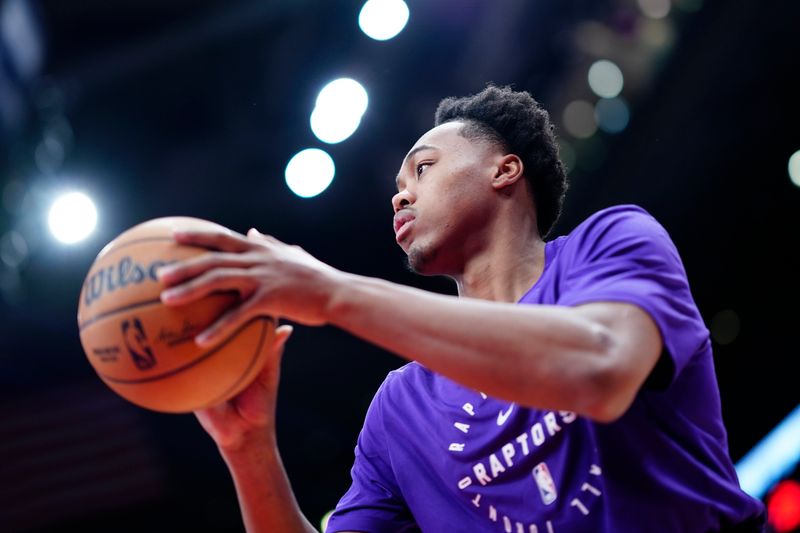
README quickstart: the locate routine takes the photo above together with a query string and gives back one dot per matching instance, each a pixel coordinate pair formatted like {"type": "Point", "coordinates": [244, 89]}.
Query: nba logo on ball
{"type": "Point", "coordinates": [138, 346]}
{"type": "Point", "coordinates": [547, 488]}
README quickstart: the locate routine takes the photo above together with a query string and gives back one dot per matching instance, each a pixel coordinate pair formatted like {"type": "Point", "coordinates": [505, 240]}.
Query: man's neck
{"type": "Point", "coordinates": [506, 268]}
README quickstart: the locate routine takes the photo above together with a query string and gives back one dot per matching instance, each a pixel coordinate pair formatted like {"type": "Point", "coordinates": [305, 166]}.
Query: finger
{"type": "Point", "coordinates": [216, 280]}
{"type": "Point", "coordinates": [282, 334]}
{"type": "Point", "coordinates": [268, 374]}
{"type": "Point", "coordinates": [254, 234]}
{"type": "Point", "coordinates": [225, 325]}
{"type": "Point", "coordinates": [190, 268]}
{"type": "Point", "coordinates": [223, 241]}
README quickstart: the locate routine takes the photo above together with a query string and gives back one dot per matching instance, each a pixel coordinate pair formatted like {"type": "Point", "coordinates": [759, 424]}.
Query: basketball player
{"type": "Point", "coordinates": [569, 388]}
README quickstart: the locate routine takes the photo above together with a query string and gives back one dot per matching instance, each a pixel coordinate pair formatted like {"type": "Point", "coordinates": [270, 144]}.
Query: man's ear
{"type": "Point", "coordinates": [509, 170]}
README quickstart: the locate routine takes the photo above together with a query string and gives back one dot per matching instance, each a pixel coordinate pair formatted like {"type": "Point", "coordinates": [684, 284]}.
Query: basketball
{"type": "Point", "coordinates": [144, 350]}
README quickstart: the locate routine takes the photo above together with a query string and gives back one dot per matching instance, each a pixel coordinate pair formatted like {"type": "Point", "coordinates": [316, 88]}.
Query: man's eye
{"type": "Point", "coordinates": [421, 168]}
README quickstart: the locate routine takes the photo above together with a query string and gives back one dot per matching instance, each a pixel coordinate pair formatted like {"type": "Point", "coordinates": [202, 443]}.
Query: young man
{"type": "Point", "coordinates": [569, 388]}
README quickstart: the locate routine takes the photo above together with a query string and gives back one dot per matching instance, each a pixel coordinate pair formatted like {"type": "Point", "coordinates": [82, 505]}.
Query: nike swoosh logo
{"type": "Point", "coordinates": [502, 417]}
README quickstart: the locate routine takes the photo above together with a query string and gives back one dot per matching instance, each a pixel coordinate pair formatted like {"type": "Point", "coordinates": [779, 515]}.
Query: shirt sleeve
{"type": "Point", "coordinates": [623, 254]}
{"type": "Point", "coordinates": [373, 503]}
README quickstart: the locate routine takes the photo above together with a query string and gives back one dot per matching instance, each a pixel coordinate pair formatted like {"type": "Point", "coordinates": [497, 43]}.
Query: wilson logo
{"type": "Point", "coordinates": [126, 272]}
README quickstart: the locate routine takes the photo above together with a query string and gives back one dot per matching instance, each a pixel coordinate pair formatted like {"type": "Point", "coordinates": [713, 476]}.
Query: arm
{"type": "Point", "coordinates": [590, 359]}
{"type": "Point", "coordinates": [244, 431]}
{"type": "Point", "coordinates": [265, 496]}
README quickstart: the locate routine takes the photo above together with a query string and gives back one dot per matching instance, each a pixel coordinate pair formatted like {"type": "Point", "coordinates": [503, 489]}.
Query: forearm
{"type": "Point", "coordinates": [542, 356]}
{"type": "Point", "coordinates": [265, 494]}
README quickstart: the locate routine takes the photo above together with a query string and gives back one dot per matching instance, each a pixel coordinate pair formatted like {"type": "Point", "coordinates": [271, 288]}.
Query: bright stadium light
{"type": "Point", "coordinates": [72, 217]}
{"type": "Point", "coordinates": [343, 92]}
{"type": "Point", "coordinates": [332, 126]}
{"type": "Point", "coordinates": [310, 172]}
{"type": "Point", "coordinates": [794, 168]}
{"type": "Point", "coordinates": [605, 79]}
{"type": "Point", "coordinates": [383, 19]}
{"type": "Point", "coordinates": [771, 459]}
{"type": "Point", "coordinates": [325, 519]}
{"type": "Point", "coordinates": [339, 108]}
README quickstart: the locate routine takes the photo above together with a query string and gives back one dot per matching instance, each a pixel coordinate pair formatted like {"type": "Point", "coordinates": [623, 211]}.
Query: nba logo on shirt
{"type": "Point", "coordinates": [547, 488]}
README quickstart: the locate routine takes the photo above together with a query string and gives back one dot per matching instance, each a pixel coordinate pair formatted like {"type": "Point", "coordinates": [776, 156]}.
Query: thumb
{"type": "Point", "coordinates": [271, 370]}
{"type": "Point", "coordinates": [282, 334]}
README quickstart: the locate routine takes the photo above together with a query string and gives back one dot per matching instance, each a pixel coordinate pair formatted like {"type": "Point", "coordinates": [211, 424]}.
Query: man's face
{"type": "Point", "coordinates": [444, 199]}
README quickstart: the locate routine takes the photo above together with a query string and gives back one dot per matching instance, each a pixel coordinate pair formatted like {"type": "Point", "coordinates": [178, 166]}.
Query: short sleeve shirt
{"type": "Point", "coordinates": [437, 456]}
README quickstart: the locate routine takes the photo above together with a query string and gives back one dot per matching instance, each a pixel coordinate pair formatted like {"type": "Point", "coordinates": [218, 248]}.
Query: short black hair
{"type": "Point", "coordinates": [518, 123]}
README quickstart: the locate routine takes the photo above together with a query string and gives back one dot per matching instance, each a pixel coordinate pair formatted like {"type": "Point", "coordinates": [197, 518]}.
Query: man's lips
{"type": "Point", "coordinates": [402, 223]}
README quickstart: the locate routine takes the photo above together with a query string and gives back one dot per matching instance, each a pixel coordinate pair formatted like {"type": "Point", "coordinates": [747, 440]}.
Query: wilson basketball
{"type": "Point", "coordinates": [144, 350]}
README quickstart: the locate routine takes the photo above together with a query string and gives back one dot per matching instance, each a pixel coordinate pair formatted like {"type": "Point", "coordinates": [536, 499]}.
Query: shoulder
{"type": "Point", "coordinates": [400, 378]}
{"type": "Point", "coordinates": [627, 216]}
{"type": "Point", "coordinates": [390, 391]}
{"type": "Point", "coordinates": [617, 230]}
{"type": "Point", "coordinates": [405, 386]}
{"type": "Point", "coordinates": [404, 377]}
{"type": "Point", "coordinates": [407, 369]}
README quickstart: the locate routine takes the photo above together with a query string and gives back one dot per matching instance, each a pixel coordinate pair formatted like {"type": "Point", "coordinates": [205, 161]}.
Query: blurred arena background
{"type": "Point", "coordinates": [689, 108]}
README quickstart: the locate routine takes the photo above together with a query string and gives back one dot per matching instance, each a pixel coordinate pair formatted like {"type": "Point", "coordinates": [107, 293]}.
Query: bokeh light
{"type": "Point", "coordinates": [13, 249]}
{"type": "Point", "coordinates": [605, 79]}
{"type": "Point", "coordinates": [383, 19]}
{"type": "Point", "coordinates": [579, 119]}
{"type": "Point", "coordinates": [14, 195]}
{"type": "Point", "coordinates": [725, 327]}
{"type": "Point", "coordinates": [325, 519]}
{"type": "Point", "coordinates": [339, 108]}
{"type": "Point", "coordinates": [612, 114]}
{"type": "Point", "coordinates": [310, 172]}
{"type": "Point", "coordinates": [772, 458]}
{"type": "Point", "coordinates": [784, 506]}
{"type": "Point", "coordinates": [794, 168]}
{"type": "Point", "coordinates": [72, 217]}
{"type": "Point", "coordinates": [655, 9]}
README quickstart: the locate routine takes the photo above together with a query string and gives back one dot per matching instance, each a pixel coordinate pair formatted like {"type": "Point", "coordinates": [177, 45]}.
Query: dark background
{"type": "Point", "coordinates": [194, 107]}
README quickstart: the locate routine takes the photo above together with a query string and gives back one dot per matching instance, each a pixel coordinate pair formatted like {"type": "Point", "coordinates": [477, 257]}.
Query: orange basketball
{"type": "Point", "coordinates": [144, 350]}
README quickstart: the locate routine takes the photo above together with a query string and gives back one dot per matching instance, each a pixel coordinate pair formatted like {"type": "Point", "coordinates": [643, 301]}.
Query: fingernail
{"type": "Point", "coordinates": [164, 271]}
{"type": "Point", "coordinates": [202, 339]}
{"type": "Point", "coordinates": [169, 295]}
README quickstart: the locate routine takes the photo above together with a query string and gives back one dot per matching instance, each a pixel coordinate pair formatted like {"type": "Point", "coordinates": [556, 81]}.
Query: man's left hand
{"type": "Point", "coordinates": [273, 279]}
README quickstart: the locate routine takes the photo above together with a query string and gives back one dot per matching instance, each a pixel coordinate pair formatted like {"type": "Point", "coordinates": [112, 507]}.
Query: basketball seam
{"type": "Point", "coordinates": [136, 241]}
{"type": "Point", "coordinates": [244, 374]}
{"type": "Point", "coordinates": [191, 363]}
{"type": "Point", "coordinates": [117, 310]}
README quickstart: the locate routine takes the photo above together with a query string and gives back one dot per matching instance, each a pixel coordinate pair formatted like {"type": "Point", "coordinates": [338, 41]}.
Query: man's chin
{"type": "Point", "coordinates": [419, 262]}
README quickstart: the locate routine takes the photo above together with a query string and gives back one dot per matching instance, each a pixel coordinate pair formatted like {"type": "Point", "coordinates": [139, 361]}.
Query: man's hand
{"type": "Point", "coordinates": [273, 278]}
{"type": "Point", "coordinates": [252, 410]}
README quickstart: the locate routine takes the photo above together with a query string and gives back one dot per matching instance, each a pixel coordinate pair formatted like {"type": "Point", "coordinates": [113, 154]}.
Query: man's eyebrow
{"type": "Point", "coordinates": [418, 149]}
{"type": "Point", "coordinates": [408, 156]}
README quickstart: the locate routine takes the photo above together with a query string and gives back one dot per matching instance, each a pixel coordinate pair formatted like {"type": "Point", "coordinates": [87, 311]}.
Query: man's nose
{"type": "Point", "coordinates": [402, 199]}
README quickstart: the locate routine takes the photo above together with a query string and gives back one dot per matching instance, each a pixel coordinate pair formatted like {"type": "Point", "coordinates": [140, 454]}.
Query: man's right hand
{"type": "Point", "coordinates": [250, 415]}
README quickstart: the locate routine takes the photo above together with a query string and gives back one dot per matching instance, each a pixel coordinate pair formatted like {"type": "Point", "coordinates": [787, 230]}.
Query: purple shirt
{"type": "Point", "coordinates": [439, 457]}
